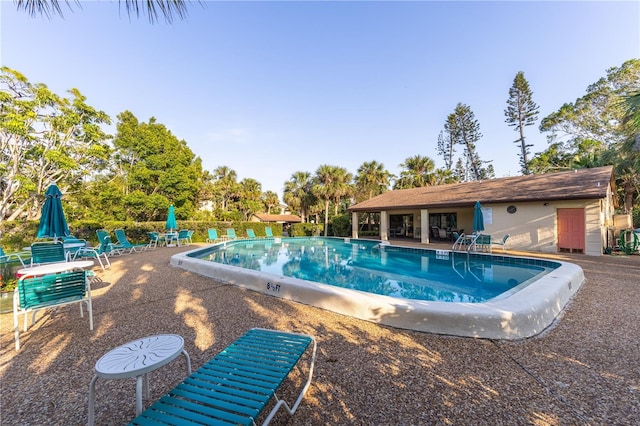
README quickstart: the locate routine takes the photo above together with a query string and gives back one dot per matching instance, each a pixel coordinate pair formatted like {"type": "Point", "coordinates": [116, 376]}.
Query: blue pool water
{"type": "Point", "coordinates": [362, 265]}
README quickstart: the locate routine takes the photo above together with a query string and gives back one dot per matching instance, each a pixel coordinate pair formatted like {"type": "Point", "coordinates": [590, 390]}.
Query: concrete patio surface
{"type": "Point", "coordinates": [583, 370]}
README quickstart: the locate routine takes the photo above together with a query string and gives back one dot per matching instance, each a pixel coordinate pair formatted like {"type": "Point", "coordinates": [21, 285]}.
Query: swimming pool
{"type": "Point", "coordinates": [475, 295]}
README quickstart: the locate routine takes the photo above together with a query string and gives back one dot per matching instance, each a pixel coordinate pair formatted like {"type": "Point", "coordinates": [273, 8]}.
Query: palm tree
{"type": "Point", "coordinates": [297, 191]}
{"type": "Point", "coordinates": [372, 179]}
{"type": "Point", "coordinates": [418, 171]}
{"type": "Point", "coordinates": [226, 185]}
{"type": "Point", "coordinates": [270, 200]}
{"type": "Point", "coordinates": [168, 8]}
{"type": "Point", "coordinates": [332, 183]}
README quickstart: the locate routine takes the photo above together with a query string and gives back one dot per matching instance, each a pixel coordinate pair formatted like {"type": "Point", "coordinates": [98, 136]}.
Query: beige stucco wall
{"type": "Point", "coordinates": [534, 225]}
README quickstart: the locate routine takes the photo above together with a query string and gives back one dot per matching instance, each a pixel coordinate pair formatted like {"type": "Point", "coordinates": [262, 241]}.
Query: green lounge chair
{"type": "Point", "coordinates": [251, 234]}
{"type": "Point", "coordinates": [238, 384]}
{"type": "Point", "coordinates": [212, 235]}
{"type": "Point", "coordinates": [125, 244]}
{"type": "Point", "coordinates": [231, 234]}
{"type": "Point", "coordinates": [7, 257]}
{"type": "Point", "coordinates": [268, 232]}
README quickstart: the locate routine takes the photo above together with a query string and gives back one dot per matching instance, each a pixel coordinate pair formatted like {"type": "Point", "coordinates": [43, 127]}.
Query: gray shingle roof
{"type": "Point", "coordinates": [571, 185]}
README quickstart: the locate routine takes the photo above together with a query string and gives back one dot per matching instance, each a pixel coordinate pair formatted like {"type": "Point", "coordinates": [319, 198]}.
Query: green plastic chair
{"type": "Point", "coordinates": [124, 243]}
{"type": "Point", "coordinates": [6, 257]}
{"type": "Point", "coordinates": [251, 234]}
{"type": "Point", "coordinates": [268, 232]}
{"type": "Point", "coordinates": [47, 253]}
{"type": "Point", "coordinates": [49, 291]}
{"type": "Point", "coordinates": [212, 235]}
{"type": "Point", "coordinates": [184, 239]}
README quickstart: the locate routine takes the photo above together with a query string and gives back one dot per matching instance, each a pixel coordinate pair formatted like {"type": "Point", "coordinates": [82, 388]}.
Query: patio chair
{"type": "Point", "coordinates": [212, 235]}
{"type": "Point", "coordinates": [231, 234]}
{"type": "Point", "coordinates": [481, 242]}
{"type": "Point", "coordinates": [125, 244]}
{"type": "Point", "coordinates": [50, 291]}
{"type": "Point", "coordinates": [47, 253]}
{"type": "Point", "coordinates": [6, 257]}
{"type": "Point", "coordinates": [183, 237]}
{"type": "Point", "coordinates": [501, 243]}
{"type": "Point", "coordinates": [154, 239]}
{"type": "Point", "coordinates": [99, 253]}
{"type": "Point", "coordinates": [460, 241]}
{"type": "Point", "coordinates": [268, 232]}
{"type": "Point", "coordinates": [190, 236]}
{"type": "Point", "coordinates": [251, 234]}
{"type": "Point", "coordinates": [239, 383]}
{"type": "Point", "coordinates": [435, 233]}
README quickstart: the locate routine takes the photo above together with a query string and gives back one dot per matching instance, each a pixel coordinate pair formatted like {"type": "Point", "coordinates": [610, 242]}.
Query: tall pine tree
{"type": "Point", "coordinates": [521, 112]}
{"type": "Point", "coordinates": [462, 128]}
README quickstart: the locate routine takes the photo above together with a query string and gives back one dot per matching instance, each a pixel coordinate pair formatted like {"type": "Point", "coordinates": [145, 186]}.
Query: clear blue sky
{"type": "Point", "coordinates": [271, 88]}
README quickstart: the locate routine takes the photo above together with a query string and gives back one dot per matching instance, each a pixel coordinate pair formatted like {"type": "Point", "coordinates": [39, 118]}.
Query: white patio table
{"type": "Point", "coordinates": [136, 359]}
{"type": "Point", "coordinates": [54, 268]}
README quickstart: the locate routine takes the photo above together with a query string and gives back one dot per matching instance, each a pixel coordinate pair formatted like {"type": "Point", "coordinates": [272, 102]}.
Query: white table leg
{"type": "Point", "coordinates": [92, 397]}
{"type": "Point", "coordinates": [186, 355]}
{"type": "Point", "coordinates": [139, 395]}
{"type": "Point", "coordinates": [146, 386]}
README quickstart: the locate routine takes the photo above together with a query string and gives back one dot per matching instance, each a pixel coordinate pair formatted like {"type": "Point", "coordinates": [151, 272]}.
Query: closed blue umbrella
{"type": "Point", "coordinates": [478, 219]}
{"type": "Point", "coordinates": [52, 222]}
{"type": "Point", "coordinates": [171, 219]}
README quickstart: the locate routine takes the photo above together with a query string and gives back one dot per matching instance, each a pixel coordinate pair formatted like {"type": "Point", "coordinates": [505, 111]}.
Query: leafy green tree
{"type": "Point", "coordinates": [371, 179]}
{"type": "Point", "coordinates": [521, 112]}
{"type": "Point", "coordinates": [599, 114]}
{"type": "Point", "coordinates": [153, 8]}
{"type": "Point", "coordinates": [595, 130]}
{"type": "Point", "coordinates": [154, 162]}
{"type": "Point", "coordinates": [417, 171]}
{"type": "Point", "coordinates": [44, 139]}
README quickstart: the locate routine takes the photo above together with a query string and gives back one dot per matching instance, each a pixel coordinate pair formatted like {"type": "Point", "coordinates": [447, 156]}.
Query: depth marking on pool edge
{"type": "Point", "coordinates": [273, 287]}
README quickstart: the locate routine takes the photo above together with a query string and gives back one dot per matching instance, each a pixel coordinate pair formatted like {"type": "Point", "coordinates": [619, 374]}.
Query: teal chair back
{"type": "Point", "coordinates": [101, 233]}
{"type": "Point", "coordinates": [50, 289]}
{"type": "Point", "coordinates": [47, 253]}
{"type": "Point", "coordinates": [268, 232]}
{"type": "Point", "coordinates": [231, 233]}
{"type": "Point", "coordinates": [213, 235]}
{"type": "Point", "coordinates": [251, 233]}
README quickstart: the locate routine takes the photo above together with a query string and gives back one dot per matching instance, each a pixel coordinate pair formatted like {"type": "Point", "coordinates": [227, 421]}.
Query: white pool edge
{"type": "Point", "coordinates": [523, 314]}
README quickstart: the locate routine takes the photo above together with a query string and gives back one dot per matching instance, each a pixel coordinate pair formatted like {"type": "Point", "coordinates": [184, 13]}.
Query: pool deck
{"type": "Point", "coordinates": [583, 370]}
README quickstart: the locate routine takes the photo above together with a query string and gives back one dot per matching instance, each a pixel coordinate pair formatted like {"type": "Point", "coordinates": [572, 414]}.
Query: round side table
{"type": "Point", "coordinates": [136, 359]}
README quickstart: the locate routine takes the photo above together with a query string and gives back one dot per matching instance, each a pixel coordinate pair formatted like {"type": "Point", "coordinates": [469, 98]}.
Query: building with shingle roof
{"type": "Point", "coordinates": [555, 212]}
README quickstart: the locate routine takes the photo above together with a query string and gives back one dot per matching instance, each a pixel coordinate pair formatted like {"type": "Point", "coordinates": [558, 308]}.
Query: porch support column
{"type": "Point", "coordinates": [384, 226]}
{"type": "Point", "coordinates": [354, 225]}
{"type": "Point", "coordinates": [424, 223]}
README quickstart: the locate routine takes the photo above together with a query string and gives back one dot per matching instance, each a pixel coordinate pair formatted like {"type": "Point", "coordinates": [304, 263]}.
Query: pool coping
{"type": "Point", "coordinates": [523, 314]}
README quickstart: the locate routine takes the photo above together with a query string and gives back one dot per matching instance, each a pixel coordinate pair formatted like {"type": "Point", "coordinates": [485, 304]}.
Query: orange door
{"type": "Point", "coordinates": [571, 230]}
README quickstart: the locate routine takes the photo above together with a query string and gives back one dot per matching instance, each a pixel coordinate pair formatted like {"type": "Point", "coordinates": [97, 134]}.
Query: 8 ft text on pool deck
{"type": "Point", "coordinates": [273, 287]}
